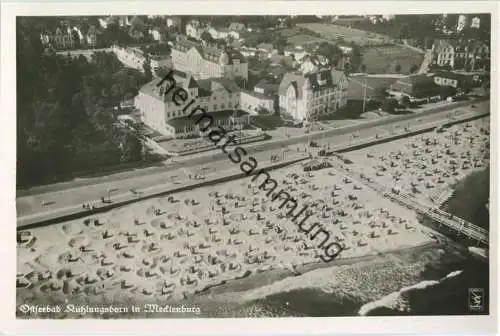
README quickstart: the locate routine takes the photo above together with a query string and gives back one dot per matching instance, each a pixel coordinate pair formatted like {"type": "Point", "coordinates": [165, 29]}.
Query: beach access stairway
{"type": "Point", "coordinates": [454, 223]}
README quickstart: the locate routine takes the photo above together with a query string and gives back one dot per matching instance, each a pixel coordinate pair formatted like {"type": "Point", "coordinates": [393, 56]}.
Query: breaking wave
{"type": "Point", "coordinates": [400, 301]}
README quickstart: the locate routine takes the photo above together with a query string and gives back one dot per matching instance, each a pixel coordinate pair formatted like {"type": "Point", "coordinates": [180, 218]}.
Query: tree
{"type": "Point", "coordinates": [447, 91]}
{"type": "Point", "coordinates": [414, 68]}
{"type": "Point", "coordinates": [280, 43]}
{"type": "Point", "coordinates": [131, 148]}
{"type": "Point", "coordinates": [147, 70]}
{"type": "Point", "coordinates": [356, 58]}
{"type": "Point", "coordinates": [207, 37]}
{"type": "Point", "coordinates": [331, 51]}
{"type": "Point", "coordinates": [262, 110]}
{"type": "Point", "coordinates": [404, 32]}
{"type": "Point", "coordinates": [65, 117]}
{"type": "Point", "coordinates": [390, 105]}
{"type": "Point", "coordinates": [380, 94]}
{"type": "Point", "coordinates": [405, 101]}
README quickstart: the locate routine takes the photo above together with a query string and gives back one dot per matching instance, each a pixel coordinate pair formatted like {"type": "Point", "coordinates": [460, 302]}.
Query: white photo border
{"type": "Point", "coordinates": [304, 326]}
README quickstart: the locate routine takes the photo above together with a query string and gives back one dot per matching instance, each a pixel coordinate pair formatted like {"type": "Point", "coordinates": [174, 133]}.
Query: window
{"type": "Point", "coordinates": [223, 106]}
{"type": "Point", "coordinates": [215, 107]}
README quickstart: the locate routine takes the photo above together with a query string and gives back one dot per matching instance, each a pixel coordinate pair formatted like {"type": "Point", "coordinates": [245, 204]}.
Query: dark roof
{"type": "Point", "coordinates": [459, 45]}
{"type": "Point", "coordinates": [209, 53]}
{"type": "Point", "coordinates": [257, 94]}
{"type": "Point", "coordinates": [182, 80]}
{"type": "Point", "coordinates": [92, 30]}
{"type": "Point", "coordinates": [317, 80]}
{"type": "Point", "coordinates": [267, 86]}
{"type": "Point", "coordinates": [238, 26]}
{"type": "Point", "coordinates": [415, 80]}
{"type": "Point", "coordinates": [451, 75]}
{"type": "Point", "coordinates": [266, 46]}
{"type": "Point", "coordinates": [218, 115]}
{"type": "Point", "coordinates": [205, 86]}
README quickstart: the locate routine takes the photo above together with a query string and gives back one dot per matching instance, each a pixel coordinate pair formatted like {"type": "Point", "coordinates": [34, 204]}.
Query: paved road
{"type": "Point", "coordinates": [381, 125]}
{"type": "Point", "coordinates": [68, 208]}
{"type": "Point", "coordinates": [48, 198]}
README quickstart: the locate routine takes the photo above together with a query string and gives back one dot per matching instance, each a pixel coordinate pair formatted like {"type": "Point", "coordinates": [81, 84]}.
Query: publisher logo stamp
{"type": "Point", "coordinates": [476, 299]}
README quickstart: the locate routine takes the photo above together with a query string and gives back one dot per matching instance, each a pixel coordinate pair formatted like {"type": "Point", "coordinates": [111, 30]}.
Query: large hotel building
{"type": "Point", "coordinates": [318, 93]}
{"type": "Point", "coordinates": [222, 98]}
{"type": "Point", "coordinates": [207, 62]}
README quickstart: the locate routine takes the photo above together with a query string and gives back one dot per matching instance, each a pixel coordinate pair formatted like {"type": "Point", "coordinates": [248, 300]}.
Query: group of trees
{"type": "Point", "coordinates": [331, 51]}
{"type": "Point", "coordinates": [65, 111]}
{"type": "Point", "coordinates": [423, 29]}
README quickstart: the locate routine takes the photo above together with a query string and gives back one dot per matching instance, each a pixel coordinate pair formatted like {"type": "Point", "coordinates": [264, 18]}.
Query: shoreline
{"type": "Point", "coordinates": [253, 280]}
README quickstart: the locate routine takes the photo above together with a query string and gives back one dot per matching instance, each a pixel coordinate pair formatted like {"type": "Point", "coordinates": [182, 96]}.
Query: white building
{"type": "Point", "coordinates": [219, 97]}
{"type": "Point", "coordinates": [155, 33]}
{"type": "Point", "coordinates": [134, 58]}
{"type": "Point", "coordinates": [247, 52]}
{"type": "Point", "coordinates": [297, 51]}
{"type": "Point", "coordinates": [313, 63]}
{"type": "Point", "coordinates": [81, 38]}
{"type": "Point", "coordinates": [219, 33]}
{"type": "Point", "coordinates": [460, 55]}
{"type": "Point", "coordinates": [63, 39]}
{"type": "Point", "coordinates": [262, 98]}
{"type": "Point", "coordinates": [462, 22]}
{"type": "Point", "coordinates": [159, 61]}
{"type": "Point", "coordinates": [45, 39]}
{"type": "Point", "coordinates": [174, 22]}
{"type": "Point", "coordinates": [104, 22]}
{"type": "Point", "coordinates": [304, 96]}
{"type": "Point", "coordinates": [207, 62]}
{"type": "Point", "coordinates": [91, 37]}
{"type": "Point", "coordinates": [194, 29]}
{"type": "Point", "coordinates": [130, 57]}
{"type": "Point", "coordinates": [475, 22]}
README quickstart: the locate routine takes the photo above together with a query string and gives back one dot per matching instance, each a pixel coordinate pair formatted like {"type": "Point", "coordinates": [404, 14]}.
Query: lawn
{"type": "Point", "coordinates": [302, 39]}
{"type": "Point", "coordinates": [355, 91]}
{"type": "Point", "coordinates": [332, 32]}
{"type": "Point", "coordinates": [385, 59]}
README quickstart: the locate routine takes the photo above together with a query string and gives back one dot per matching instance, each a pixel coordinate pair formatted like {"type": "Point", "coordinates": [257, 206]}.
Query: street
{"type": "Point", "coordinates": [46, 199]}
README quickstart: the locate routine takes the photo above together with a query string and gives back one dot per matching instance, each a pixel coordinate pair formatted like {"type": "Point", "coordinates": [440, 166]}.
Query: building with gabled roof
{"type": "Point", "coordinates": [216, 96]}
{"type": "Point", "coordinates": [314, 94]}
{"type": "Point", "coordinates": [459, 81]}
{"type": "Point", "coordinates": [208, 61]}
{"type": "Point", "coordinates": [91, 37]}
{"type": "Point", "coordinates": [264, 96]}
{"type": "Point", "coordinates": [135, 58]}
{"type": "Point", "coordinates": [461, 54]}
{"type": "Point", "coordinates": [313, 63]}
{"type": "Point", "coordinates": [174, 22]}
{"type": "Point", "coordinates": [416, 86]}
{"type": "Point", "coordinates": [237, 26]}
{"type": "Point", "coordinates": [195, 28]}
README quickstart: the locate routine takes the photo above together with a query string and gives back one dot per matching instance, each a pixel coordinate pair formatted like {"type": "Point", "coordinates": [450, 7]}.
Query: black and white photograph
{"type": "Point", "coordinates": [198, 166]}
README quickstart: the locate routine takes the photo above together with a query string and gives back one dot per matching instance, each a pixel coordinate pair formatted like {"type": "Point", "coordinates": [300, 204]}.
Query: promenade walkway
{"type": "Point", "coordinates": [126, 196]}
{"type": "Point", "coordinates": [50, 206]}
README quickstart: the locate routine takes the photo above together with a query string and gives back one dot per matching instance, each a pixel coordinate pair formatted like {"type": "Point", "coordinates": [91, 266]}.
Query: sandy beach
{"type": "Point", "coordinates": [428, 165]}
{"type": "Point", "coordinates": [172, 248]}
